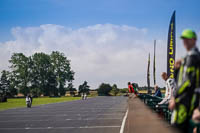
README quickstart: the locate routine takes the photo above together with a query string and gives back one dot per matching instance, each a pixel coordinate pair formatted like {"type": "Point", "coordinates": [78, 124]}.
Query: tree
{"type": "Point", "coordinates": [104, 89]}
{"type": "Point", "coordinates": [124, 90]}
{"type": "Point", "coordinates": [52, 84]}
{"type": "Point", "coordinates": [84, 88]}
{"type": "Point", "coordinates": [71, 89]}
{"type": "Point", "coordinates": [20, 72]}
{"type": "Point", "coordinates": [115, 90]}
{"type": "Point", "coordinates": [40, 73]}
{"type": "Point", "coordinates": [13, 88]}
{"type": "Point", "coordinates": [62, 70]}
{"type": "Point", "coordinates": [6, 83]}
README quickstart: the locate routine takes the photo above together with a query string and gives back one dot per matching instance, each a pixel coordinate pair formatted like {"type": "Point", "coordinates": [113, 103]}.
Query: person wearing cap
{"type": "Point", "coordinates": [187, 80]}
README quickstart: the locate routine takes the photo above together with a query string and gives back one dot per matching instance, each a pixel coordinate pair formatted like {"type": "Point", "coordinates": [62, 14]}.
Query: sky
{"type": "Point", "coordinates": [106, 40]}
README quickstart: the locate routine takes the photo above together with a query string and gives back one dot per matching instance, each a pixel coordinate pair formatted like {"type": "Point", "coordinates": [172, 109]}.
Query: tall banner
{"type": "Point", "coordinates": [154, 63]}
{"type": "Point", "coordinates": [148, 75]}
{"type": "Point", "coordinates": [171, 47]}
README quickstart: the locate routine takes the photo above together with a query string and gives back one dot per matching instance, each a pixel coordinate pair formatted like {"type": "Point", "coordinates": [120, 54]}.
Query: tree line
{"type": "Point", "coordinates": [39, 74]}
{"type": "Point", "coordinates": [45, 74]}
{"type": "Point", "coordinates": [106, 89]}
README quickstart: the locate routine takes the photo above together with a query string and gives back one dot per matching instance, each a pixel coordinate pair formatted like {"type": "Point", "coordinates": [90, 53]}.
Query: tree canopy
{"type": "Point", "coordinates": [104, 89]}
{"type": "Point", "coordinates": [38, 74]}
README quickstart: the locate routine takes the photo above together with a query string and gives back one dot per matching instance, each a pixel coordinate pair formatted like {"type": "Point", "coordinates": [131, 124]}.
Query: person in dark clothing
{"type": "Point", "coordinates": [28, 101]}
{"type": "Point", "coordinates": [157, 92]}
{"type": "Point", "coordinates": [135, 89]}
{"type": "Point", "coordinates": [187, 71]}
{"type": "Point", "coordinates": [31, 98]}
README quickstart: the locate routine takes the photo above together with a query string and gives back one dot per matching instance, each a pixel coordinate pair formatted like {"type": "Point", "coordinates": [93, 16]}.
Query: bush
{"type": "Point", "coordinates": [104, 89]}
{"type": "Point", "coordinates": [124, 90]}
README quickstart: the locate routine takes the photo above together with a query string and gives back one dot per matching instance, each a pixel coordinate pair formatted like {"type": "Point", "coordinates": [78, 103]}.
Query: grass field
{"type": "Point", "coordinates": [145, 91]}
{"type": "Point", "coordinates": [20, 102]}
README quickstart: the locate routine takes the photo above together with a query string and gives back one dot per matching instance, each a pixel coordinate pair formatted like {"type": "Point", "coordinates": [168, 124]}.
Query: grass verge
{"type": "Point", "coordinates": [20, 102]}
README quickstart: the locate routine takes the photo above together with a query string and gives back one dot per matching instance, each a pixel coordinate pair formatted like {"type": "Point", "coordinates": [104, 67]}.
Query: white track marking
{"type": "Point", "coordinates": [123, 122]}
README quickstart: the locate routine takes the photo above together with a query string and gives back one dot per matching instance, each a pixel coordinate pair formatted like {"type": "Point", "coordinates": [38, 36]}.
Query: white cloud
{"type": "Point", "coordinates": [198, 35]}
{"type": "Point", "coordinates": [98, 53]}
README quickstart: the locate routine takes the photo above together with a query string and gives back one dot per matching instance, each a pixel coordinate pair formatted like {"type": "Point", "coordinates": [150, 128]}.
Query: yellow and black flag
{"type": "Point", "coordinates": [148, 75]}
{"type": "Point", "coordinates": [171, 47]}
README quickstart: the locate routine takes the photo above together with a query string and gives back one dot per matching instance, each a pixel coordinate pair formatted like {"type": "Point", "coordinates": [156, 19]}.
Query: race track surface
{"type": "Point", "coordinates": [94, 115]}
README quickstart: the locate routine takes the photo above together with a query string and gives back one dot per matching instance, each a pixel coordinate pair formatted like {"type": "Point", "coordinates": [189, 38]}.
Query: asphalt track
{"type": "Point", "coordinates": [94, 115]}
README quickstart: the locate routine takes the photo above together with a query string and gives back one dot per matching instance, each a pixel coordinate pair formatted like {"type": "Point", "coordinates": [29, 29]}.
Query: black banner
{"type": "Point", "coordinates": [171, 47]}
{"type": "Point", "coordinates": [148, 75]}
{"type": "Point", "coordinates": [154, 63]}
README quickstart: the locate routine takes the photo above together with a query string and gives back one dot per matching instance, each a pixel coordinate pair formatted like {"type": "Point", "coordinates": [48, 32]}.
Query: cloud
{"type": "Point", "coordinates": [98, 53]}
{"type": "Point", "coordinates": [198, 35]}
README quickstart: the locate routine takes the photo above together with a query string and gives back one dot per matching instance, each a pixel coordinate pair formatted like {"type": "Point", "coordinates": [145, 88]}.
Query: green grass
{"type": "Point", "coordinates": [20, 102]}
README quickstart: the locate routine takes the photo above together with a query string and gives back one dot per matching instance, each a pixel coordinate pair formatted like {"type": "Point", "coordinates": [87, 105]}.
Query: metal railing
{"type": "Point", "coordinates": [163, 111]}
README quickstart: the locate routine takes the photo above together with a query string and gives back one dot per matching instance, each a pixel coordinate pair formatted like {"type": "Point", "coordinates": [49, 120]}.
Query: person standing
{"type": "Point", "coordinates": [82, 95]}
{"type": "Point", "coordinates": [131, 90]}
{"type": "Point", "coordinates": [187, 79]}
{"type": "Point", "coordinates": [170, 88]}
{"type": "Point", "coordinates": [28, 101]}
{"type": "Point", "coordinates": [85, 96]}
{"type": "Point", "coordinates": [31, 99]}
{"type": "Point", "coordinates": [135, 89]}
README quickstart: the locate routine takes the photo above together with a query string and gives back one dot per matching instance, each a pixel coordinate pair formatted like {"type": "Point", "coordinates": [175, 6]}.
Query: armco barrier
{"type": "Point", "coordinates": [163, 110]}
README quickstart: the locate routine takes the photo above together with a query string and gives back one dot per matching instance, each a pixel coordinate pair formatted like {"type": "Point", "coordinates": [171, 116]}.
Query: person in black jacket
{"type": "Point", "coordinates": [187, 80]}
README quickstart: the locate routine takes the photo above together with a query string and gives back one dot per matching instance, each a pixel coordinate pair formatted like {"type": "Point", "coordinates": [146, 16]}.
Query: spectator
{"type": "Point", "coordinates": [28, 101]}
{"type": "Point", "coordinates": [82, 95]}
{"type": "Point", "coordinates": [85, 96]}
{"type": "Point", "coordinates": [31, 99]}
{"type": "Point", "coordinates": [187, 79]}
{"type": "Point", "coordinates": [135, 89]}
{"type": "Point", "coordinates": [170, 88]}
{"type": "Point", "coordinates": [131, 90]}
{"type": "Point", "coordinates": [157, 92]}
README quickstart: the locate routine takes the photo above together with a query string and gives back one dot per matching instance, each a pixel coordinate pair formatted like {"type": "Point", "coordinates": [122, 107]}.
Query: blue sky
{"type": "Point", "coordinates": [151, 14]}
{"type": "Point", "coordinates": [98, 36]}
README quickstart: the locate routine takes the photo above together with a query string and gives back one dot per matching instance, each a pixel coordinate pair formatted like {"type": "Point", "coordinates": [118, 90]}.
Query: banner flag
{"type": "Point", "coordinates": [148, 75]}
{"type": "Point", "coordinates": [154, 63]}
{"type": "Point", "coordinates": [171, 47]}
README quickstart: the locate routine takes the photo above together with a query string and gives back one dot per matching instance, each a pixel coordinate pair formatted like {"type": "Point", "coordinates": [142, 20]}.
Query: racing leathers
{"type": "Point", "coordinates": [187, 80]}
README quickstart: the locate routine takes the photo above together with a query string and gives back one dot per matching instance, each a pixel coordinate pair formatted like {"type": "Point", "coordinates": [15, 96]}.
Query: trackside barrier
{"type": "Point", "coordinates": [152, 102]}
{"type": "Point", "coordinates": [163, 110]}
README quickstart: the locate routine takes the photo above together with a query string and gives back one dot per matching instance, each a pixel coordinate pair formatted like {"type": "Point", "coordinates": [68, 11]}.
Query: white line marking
{"type": "Point", "coordinates": [39, 128]}
{"type": "Point", "coordinates": [123, 122]}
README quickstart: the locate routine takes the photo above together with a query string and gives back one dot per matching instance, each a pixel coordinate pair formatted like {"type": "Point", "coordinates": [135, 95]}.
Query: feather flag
{"type": "Point", "coordinates": [148, 75]}
{"type": "Point", "coordinates": [154, 63]}
{"type": "Point", "coordinates": [171, 47]}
